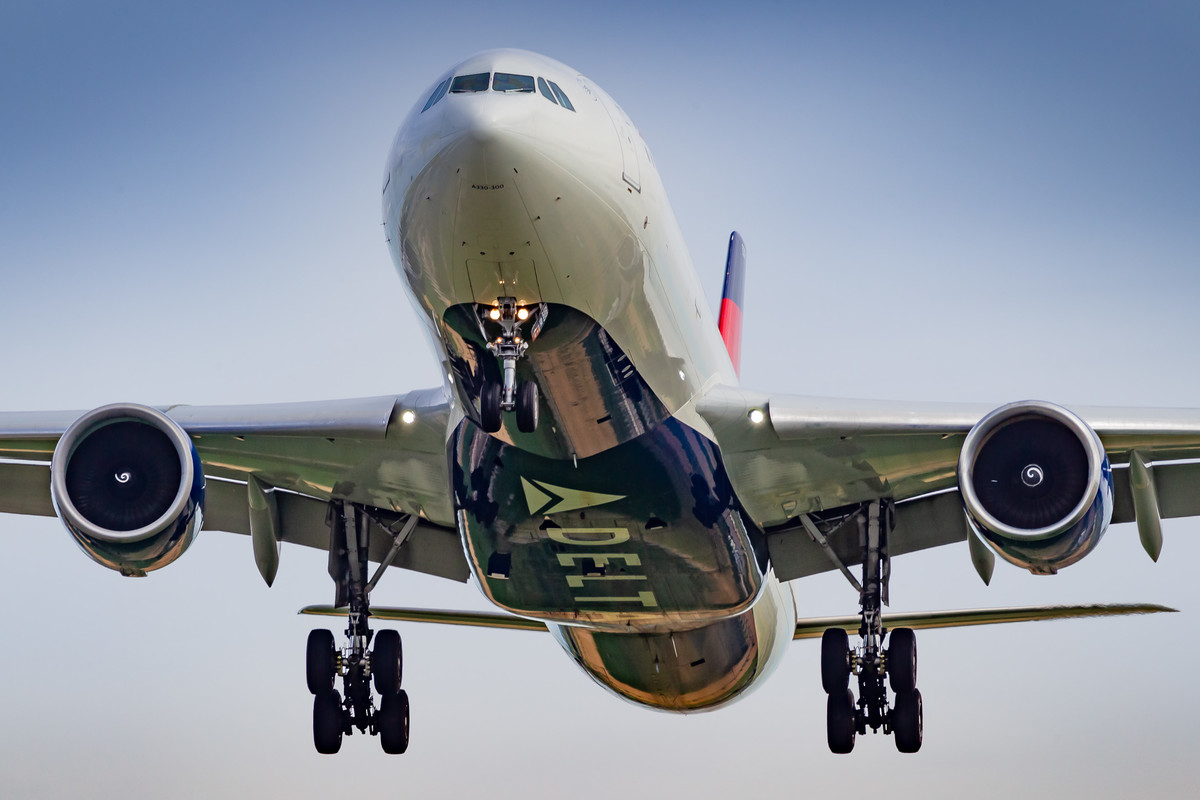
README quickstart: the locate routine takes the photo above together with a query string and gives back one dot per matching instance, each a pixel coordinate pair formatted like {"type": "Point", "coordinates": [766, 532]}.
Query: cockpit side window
{"type": "Point", "coordinates": [545, 90]}
{"type": "Point", "coordinates": [507, 82]}
{"type": "Point", "coordinates": [562, 97]}
{"type": "Point", "coordinates": [438, 94]}
{"type": "Point", "coordinates": [470, 83]}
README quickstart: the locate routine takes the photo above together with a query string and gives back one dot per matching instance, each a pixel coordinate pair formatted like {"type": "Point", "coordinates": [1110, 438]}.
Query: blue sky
{"type": "Point", "coordinates": [940, 201]}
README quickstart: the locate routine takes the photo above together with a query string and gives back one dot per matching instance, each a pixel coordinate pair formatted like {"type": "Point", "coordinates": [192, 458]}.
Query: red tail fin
{"type": "Point", "coordinates": [730, 321]}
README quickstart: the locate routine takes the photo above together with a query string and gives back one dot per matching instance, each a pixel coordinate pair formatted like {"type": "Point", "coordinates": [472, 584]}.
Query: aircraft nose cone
{"type": "Point", "coordinates": [487, 117]}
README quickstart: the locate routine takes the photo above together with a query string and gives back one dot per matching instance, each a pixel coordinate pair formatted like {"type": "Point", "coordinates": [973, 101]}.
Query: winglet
{"type": "Point", "coordinates": [730, 321]}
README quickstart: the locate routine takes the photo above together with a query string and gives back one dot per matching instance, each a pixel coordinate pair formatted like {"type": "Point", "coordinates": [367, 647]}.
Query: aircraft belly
{"type": "Point", "coordinates": [697, 669]}
{"type": "Point", "coordinates": [643, 536]}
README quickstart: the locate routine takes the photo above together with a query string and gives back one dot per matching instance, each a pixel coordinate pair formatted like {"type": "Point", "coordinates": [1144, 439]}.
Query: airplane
{"type": "Point", "coordinates": [591, 460]}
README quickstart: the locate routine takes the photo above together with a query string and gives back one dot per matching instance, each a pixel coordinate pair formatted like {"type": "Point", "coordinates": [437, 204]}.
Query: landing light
{"type": "Point", "coordinates": [756, 415]}
{"type": "Point", "coordinates": [408, 417]}
{"type": "Point", "coordinates": [522, 314]}
{"type": "Point", "coordinates": [494, 313]}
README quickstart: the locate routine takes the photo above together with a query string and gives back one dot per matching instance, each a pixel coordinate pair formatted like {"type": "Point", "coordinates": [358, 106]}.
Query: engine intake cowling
{"type": "Point", "coordinates": [127, 483]}
{"type": "Point", "coordinates": [1036, 485]}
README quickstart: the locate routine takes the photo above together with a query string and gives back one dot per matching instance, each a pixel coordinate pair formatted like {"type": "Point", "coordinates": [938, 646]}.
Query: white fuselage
{"type": "Point", "coordinates": [550, 196]}
{"type": "Point", "coordinates": [547, 200]}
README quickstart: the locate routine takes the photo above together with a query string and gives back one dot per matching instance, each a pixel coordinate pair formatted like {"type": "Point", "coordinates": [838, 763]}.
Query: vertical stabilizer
{"type": "Point", "coordinates": [730, 321]}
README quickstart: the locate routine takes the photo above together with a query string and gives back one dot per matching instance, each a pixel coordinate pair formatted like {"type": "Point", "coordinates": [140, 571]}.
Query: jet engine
{"type": "Point", "coordinates": [1036, 485]}
{"type": "Point", "coordinates": [127, 483]}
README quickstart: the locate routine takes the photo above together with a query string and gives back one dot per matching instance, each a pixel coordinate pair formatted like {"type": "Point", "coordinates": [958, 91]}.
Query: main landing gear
{"type": "Point", "coordinates": [871, 663]}
{"type": "Point", "coordinates": [358, 667]}
{"type": "Point", "coordinates": [494, 399]}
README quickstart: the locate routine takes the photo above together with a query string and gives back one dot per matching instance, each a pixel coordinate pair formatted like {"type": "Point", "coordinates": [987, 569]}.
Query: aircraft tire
{"type": "Point", "coordinates": [392, 722]}
{"type": "Point", "coordinates": [320, 661]}
{"type": "Point", "coordinates": [527, 407]}
{"type": "Point", "coordinates": [387, 662]}
{"type": "Point", "coordinates": [327, 722]}
{"type": "Point", "coordinates": [489, 407]}
{"type": "Point", "coordinates": [908, 721]}
{"type": "Point", "coordinates": [902, 660]}
{"type": "Point", "coordinates": [835, 660]}
{"type": "Point", "coordinates": [839, 721]}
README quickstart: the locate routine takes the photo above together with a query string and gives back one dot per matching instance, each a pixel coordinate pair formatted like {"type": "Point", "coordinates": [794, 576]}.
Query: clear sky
{"type": "Point", "coordinates": [975, 202]}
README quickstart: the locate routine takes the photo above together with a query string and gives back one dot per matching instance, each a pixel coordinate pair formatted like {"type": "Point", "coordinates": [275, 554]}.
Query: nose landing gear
{"type": "Point", "coordinates": [870, 662]}
{"type": "Point", "coordinates": [509, 346]}
{"type": "Point", "coordinates": [356, 664]}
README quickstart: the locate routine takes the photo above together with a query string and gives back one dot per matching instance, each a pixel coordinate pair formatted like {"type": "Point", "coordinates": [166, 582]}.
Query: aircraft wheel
{"type": "Point", "coordinates": [908, 721]}
{"type": "Point", "coordinates": [835, 660]}
{"type": "Point", "coordinates": [902, 660]}
{"type": "Point", "coordinates": [327, 722]}
{"type": "Point", "coordinates": [527, 407]}
{"type": "Point", "coordinates": [387, 662]}
{"type": "Point", "coordinates": [392, 722]}
{"type": "Point", "coordinates": [320, 661]}
{"type": "Point", "coordinates": [839, 721]}
{"type": "Point", "coordinates": [489, 407]}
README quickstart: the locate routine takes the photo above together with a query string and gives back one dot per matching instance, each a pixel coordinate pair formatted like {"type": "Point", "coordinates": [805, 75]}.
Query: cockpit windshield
{"type": "Point", "coordinates": [504, 82]}
{"type": "Point", "coordinates": [507, 82]}
{"type": "Point", "coordinates": [438, 94]}
{"type": "Point", "coordinates": [562, 96]}
{"type": "Point", "coordinates": [470, 83]}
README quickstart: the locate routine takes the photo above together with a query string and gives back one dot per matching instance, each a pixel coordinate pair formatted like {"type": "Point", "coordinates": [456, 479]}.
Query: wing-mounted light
{"type": "Point", "coordinates": [127, 483]}
{"type": "Point", "coordinates": [1036, 485]}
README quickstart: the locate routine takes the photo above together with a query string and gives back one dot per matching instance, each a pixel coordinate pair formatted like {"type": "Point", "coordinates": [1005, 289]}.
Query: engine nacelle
{"type": "Point", "coordinates": [127, 483]}
{"type": "Point", "coordinates": [1036, 485]}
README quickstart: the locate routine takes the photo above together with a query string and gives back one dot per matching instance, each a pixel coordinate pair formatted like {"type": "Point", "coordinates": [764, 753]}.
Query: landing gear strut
{"type": "Point", "coordinates": [871, 662]}
{"type": "Point", "coordinates": [509, 346]}
{"type": "Point", "coordinates": [356, 664]}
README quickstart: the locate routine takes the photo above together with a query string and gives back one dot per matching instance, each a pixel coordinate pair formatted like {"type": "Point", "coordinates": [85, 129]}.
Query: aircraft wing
{"type": "Point", "coordinates": [808, 455]}
{"type": "Point", "coordinates": [362, 450]}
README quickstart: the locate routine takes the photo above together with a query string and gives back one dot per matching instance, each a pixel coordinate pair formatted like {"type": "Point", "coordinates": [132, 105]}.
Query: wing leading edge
{"type": "Point", "coordinates": [806, 455]}
{"type": "Point", "coordinates": [386, 453]}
